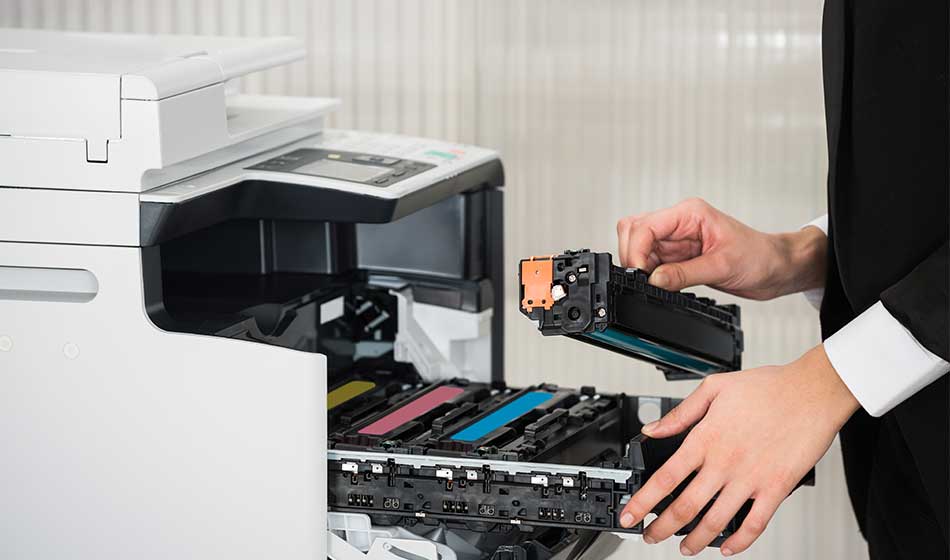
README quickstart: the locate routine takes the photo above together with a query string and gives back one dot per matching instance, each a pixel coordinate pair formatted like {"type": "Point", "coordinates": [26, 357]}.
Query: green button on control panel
{"type": "Point", "coordinates": [443, 155]}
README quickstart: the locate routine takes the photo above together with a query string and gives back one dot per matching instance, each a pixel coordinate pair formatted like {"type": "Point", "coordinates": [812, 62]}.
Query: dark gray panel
{"type": "Point", "coordinates": [445, 239]}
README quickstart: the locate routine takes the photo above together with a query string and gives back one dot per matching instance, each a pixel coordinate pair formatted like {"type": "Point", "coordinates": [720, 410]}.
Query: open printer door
{"type": "Point", "coordinates": [295, 226]}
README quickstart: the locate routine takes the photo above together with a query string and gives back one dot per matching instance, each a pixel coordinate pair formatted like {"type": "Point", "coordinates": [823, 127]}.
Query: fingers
{"type": "Point", "coordinates": [647, 231]}
{"type": "Point", "coordinates": [623, 238]}
{"type": "Point", "coordinates": [732, 497]}
{"type": "Point", "coordinates": [678, 250]}
{"type": "Point", "coordinates": [675, 276]}
{"type": "Point", "coordinates": [685, 507]}
{"type": "Point", "coordinates": [763, 508]}
{"type": "Point", "coordinates": [624, 227]}
{"type": "Point", "coordinates": [688, 412]}
{"type": "Point", "coordinates": [686, 460]}
{"type": "Point", "coordinates": [641, 235]}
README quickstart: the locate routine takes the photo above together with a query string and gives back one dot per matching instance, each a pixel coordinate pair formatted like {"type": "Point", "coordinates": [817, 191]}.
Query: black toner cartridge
{"type": "Point", "coordinates": [584, 296]}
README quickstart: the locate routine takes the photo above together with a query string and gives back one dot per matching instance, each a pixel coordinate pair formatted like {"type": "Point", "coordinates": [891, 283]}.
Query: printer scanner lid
{"type": "Point", "coordinates": [150, 67]}
{"type": "Point", "coordinates": [132, 102]}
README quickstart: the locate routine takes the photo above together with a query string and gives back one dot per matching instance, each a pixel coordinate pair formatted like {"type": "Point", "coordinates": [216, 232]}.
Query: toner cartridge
{"type": "Point", "coordinates": [582, 295]}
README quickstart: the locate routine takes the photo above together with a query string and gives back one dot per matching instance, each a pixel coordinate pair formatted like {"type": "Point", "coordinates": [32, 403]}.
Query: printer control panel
{"type": "Point", "coordinates": [372, 165]}
{"type": "Point", "coordinates": [368, 169]}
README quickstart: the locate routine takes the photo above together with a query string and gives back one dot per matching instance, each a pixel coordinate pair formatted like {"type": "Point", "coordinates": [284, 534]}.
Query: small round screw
{"type": "Point", "coordinates": [71, 350]}
{"type": "Point", "coordinates": [601, 312]}
{"type": "Point", "coordinates": [571, 277]}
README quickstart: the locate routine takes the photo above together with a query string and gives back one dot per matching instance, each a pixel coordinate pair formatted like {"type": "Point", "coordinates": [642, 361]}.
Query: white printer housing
{"type": "Point", "coordinates": [74, 100]}
{"type": "Point", "coordinates": [125, 160]}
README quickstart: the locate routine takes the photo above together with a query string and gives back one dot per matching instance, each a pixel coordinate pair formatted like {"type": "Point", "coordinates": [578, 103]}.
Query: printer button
{"type": "Point", "coordinates": [378, 159]}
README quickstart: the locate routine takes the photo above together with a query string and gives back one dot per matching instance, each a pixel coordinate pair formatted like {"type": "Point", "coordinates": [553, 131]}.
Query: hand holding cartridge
{"type": "Point", "coordinates": [755, 435]}
{"type": "Point", "coordinates": [693, 243]}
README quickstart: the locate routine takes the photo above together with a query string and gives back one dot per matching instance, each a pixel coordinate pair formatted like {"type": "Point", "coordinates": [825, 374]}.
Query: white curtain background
{"type": "Point", "coordinates": [600, 108]}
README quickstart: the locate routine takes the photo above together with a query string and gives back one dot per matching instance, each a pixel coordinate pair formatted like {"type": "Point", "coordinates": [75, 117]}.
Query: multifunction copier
{"type": "Point", "coordinates": [227, 331]}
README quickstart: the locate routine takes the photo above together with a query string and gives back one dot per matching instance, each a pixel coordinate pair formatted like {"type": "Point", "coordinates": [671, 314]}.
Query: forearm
{"type": "Point", "coordinates": [814, 377]}
{"type": "Point", "coordinates": [801, 261]}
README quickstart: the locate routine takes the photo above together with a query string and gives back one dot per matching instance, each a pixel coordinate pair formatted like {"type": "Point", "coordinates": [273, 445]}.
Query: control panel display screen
{"type": "Point", "coordinates": [367, 169]}
{"type": "Point", "coordinates": [342, 170]}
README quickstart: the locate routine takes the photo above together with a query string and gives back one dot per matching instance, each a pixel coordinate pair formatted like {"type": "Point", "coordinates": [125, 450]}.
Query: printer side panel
{"type": "Point", "coordinates": [124, 441]}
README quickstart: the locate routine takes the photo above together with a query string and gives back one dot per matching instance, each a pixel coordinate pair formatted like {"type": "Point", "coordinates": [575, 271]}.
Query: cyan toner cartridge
{"type": "Point", "coordinates": [582, 295]}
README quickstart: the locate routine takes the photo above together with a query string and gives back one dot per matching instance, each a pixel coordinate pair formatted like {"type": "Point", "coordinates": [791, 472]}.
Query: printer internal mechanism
{"type": "Point", "coordinates": [487, 458]}
{"type": "Point", "coordinates": [582, 295]}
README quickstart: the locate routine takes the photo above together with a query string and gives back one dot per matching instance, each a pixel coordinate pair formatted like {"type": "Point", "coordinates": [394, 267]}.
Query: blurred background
{"type": "Point", "coordinates": [600, 109]}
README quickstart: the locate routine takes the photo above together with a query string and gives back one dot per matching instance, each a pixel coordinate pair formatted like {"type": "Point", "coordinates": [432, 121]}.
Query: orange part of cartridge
{"type": "Point", "coordinates": [537, 276]}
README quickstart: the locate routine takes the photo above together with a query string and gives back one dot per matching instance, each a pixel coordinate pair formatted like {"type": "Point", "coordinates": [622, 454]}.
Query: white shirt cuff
{"type": "Point", "coordinates": [880, 361]}
{"type": "Point", "coordinates": [815, 295]}
{"type": "Point", "coordinates": [820, 223]}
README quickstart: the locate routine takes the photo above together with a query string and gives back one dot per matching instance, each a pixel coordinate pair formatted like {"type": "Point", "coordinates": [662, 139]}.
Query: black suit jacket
{"type": "Point", "coordinates": [885, 69]}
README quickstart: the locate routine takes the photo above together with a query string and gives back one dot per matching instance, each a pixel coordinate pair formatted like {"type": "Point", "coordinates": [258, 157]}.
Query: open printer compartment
{"type": "Point", "coordinates": [424, 434]}
{"type": "Point", "coordinates": [336, 288]}
{"type": "Point", "coordinates": [504, 463]}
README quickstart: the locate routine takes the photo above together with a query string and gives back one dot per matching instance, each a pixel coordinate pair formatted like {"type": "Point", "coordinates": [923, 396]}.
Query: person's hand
{"type": "Point", "coordinates": [758, 433]}
{"type": "Point", "coordinates": [693, 243]}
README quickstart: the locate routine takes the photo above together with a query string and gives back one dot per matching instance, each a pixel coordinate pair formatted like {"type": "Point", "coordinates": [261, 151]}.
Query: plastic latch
{"type": "Point", "coordinates": [537, 276]}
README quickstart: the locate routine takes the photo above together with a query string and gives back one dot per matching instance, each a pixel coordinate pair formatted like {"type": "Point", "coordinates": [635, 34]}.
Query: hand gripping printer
{"type": "Point", "coordinates": [229, 332]}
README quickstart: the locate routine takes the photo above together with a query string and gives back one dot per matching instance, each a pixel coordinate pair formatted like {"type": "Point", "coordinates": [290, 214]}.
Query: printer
{"type": "Point", "coordinates": [163, 237]}
{"type": "Point", "coordinates": [227, 331]}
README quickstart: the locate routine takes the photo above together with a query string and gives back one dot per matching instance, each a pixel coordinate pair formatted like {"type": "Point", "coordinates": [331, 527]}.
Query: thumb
{"type": "Point", "coordinates": [676, 276]}
{"type": "Point", "coordinates": [686, 413]}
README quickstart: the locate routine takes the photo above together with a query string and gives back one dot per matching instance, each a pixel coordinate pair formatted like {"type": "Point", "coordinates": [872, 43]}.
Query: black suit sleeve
{"type": "Point", "coordinates": [919, 301]}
